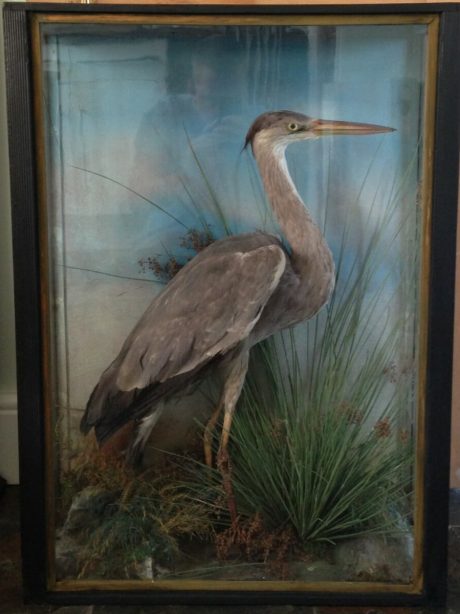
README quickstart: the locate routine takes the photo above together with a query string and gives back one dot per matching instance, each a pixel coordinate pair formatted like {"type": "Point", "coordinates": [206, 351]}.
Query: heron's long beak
{"type": "Point", "coordinates": [324, 127]}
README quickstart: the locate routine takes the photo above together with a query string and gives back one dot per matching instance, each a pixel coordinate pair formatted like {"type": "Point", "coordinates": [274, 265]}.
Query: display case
{"type": "Point", "coordinates": [234, 247]}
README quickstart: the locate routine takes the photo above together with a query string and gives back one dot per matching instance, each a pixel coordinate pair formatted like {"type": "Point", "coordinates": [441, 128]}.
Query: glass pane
{"type": "Point", "coordinates": [146, 169]}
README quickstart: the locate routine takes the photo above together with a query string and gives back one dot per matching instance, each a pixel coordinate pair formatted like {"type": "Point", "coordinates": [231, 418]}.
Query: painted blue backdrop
{"type": "Point", "coordinates": [145, 129]}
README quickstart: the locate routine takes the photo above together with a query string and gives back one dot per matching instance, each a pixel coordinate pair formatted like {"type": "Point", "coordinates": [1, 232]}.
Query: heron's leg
{"type": "Point", "coordinates": [224, 462]}
{"type": "Point", "coordinates": [209, 431]}
{"type": "Point", "coordinates": [231, 393]}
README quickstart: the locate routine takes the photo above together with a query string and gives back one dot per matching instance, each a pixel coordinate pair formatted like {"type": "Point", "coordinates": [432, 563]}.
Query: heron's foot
{"type": "Point", "coordinates": [225, 467]}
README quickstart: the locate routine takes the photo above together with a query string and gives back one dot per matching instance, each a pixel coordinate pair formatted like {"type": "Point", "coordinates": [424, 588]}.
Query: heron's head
{"type": "Point", "coordinates": [280, 128]}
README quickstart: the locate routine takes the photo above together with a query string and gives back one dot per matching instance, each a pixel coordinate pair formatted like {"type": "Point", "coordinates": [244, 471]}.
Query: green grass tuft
{"type": "Point", "coordinates": [327, 472]}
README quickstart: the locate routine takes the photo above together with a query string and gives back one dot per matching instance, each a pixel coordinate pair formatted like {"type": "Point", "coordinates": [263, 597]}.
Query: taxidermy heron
{"type": "Point", "coordinates": [236, 292]}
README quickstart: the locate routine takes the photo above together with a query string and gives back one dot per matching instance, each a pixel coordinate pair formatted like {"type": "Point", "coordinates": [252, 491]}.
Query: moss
{"type": "Point", "coordinates": [119, 519]}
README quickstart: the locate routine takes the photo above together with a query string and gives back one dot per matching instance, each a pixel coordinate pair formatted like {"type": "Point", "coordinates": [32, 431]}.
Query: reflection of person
{"type": "Point", "coordinates": [198, 118]}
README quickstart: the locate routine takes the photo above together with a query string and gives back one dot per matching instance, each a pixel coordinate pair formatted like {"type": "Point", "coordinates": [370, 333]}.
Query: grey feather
{"type": "Point", "coordinates": [202, 313]}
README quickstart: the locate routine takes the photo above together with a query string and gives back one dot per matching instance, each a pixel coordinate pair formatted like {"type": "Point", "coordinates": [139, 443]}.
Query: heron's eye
{"type": "Point", "coordinates": [293, 126]}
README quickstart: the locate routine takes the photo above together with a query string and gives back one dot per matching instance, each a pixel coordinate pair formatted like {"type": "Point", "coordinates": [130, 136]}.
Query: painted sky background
{"type": "Point", "coordinates": [164, 111]}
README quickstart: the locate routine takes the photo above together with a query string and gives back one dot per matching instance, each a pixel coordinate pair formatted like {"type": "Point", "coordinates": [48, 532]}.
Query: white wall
{"type": "Point", "coordinates": [8, 410]}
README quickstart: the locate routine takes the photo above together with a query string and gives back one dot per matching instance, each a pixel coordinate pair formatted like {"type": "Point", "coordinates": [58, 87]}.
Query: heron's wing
{"type": "Point", "coordinates": [209, 307]}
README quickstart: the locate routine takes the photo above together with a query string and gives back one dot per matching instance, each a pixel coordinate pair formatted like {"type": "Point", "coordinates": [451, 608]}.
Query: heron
{"type": "Point", "coordinates": [235, 293]}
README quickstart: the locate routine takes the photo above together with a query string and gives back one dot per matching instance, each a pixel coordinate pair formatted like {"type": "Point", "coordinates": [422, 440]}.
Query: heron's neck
{"type": "Point", "coordinates": [301, 232]}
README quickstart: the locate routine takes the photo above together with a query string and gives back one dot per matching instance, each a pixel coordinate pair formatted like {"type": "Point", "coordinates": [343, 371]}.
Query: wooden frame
{"type": "Point", "coordinates": [32, 255]}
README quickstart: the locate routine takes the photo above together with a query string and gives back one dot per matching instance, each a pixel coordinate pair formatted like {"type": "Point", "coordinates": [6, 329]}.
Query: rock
{"type": "Point", "coordinates": [89, 505]}
{"type": "Point", "coordinates": [67, 557]}
{"type": "Point", "coordinates": [376, 558]}
{"type": "Point", "coordinates": [87, 508]}
{"type": "Point", "coordinates": [313, 571]}
{"type": "Point", "coordinates": [143, 570]}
